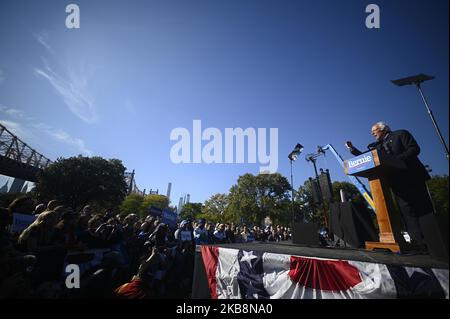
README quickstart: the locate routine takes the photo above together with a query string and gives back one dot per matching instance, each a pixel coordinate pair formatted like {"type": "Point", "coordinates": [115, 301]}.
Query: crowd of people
{"type": "Point", "coordinates": [140, 257]}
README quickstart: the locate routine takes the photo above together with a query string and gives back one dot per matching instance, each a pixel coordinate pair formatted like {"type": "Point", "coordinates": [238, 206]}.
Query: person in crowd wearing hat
{"type": "Point", "coordinates": [219, 234]}
{"type": "Point", "coordinates": [183, 234]}
{"type": "Point", "coordinates": [201, 233]}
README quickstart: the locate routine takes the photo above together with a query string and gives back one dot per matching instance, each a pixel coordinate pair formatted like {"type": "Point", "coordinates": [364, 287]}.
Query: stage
{"type": "Point", "coordinates": [314, 272]}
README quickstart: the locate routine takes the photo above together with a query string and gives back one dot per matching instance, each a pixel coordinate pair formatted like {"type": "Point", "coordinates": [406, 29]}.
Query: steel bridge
{"type": "Point", "coordinates": [19, 160]}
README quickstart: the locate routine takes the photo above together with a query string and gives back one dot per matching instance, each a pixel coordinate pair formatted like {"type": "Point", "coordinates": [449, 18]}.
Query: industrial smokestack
{"type": "Point", "coordinates": [180, 205]}
{"type": "Point", "coordinates": [169, 188]}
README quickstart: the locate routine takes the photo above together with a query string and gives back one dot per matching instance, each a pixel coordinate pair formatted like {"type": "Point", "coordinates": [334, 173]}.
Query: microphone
{"type": "Point", "coordinates": [373, 145]}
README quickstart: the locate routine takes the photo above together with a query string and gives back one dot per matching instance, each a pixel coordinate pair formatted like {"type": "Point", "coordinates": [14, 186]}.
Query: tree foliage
{"type": "Point", "coordinates": [140, 205]}
{"type": "Point", "coordinates": [132, 204]}
{"type": "Point", "coordinates": [155, 200]}
{"type": "Point", "coordinates": [316, 212]}
{"type": "Point", "coordinates": [216, 204]}
{"type": "Point", "coordinates": [191, 211]}
{"type": "Point", "coordinates": [215, 209]}
{"type": "Point", "coordinates": [438, 186]}
{"type": "Point", "coordinates": [254, 198]}
{"type": "Point", "coordinates": [77, 181]}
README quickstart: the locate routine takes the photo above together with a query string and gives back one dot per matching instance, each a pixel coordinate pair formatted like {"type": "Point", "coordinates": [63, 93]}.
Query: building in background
{"type": "Point", "coordinates": [169, 189]}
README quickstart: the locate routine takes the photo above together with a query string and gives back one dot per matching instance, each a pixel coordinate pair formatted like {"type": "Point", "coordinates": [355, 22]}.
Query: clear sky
{"type": "Point", "coordinates": [135, 70]}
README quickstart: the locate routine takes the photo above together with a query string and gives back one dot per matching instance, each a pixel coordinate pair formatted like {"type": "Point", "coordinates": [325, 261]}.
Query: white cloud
{"type": "Point", "coordinates": [42, 38]}
{"type": "Point", "coordinates": [25, 133]}
{"type": "Point", "coordinates": [11, 112]}
{"type": "Point", "coordinates": [74, 92]}
{"type": "Point", "coordinates": [71, 85]}
{"type": "Point", "coordinates": [14, 113]}
{"type": "Point", "coordinates": [16, 128]}
{"type": "Point", "coordinates": [67, 139]}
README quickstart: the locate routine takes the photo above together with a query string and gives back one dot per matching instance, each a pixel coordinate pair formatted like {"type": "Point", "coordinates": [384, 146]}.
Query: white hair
{"type": "Point", "coordinates": [382, 126]}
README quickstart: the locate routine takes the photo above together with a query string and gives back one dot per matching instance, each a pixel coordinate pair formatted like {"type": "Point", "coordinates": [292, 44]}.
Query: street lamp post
{"type": "Point", "coordinates": [292, 157]}
{"type": "Point", "coordinates": [292, 190]}
{"type": "Point", "coordinates": [417, 80]}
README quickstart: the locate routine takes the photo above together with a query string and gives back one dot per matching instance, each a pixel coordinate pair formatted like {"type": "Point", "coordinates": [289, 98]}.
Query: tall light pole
{"type": "Point", "coordinates": [313, 158]}
{"type": "Point", "coordinates": [292, 190]}
{"type": "Point", "coordinates": [417, 80]}
{"type": "Point", "coordinates": [292, 157]}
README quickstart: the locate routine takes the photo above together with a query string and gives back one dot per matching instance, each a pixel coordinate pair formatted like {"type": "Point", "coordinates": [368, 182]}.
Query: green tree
{"type": "Point", "coordinates": [214, 209]}
{"type": "Point", "coordinates": [216, 204]}
{"type": "Point", "coordinates": [438, 186]}
{"type": "Point", "coordinates": [77, 181]}
{"type": "Point", "coordinates": [155, 200]}
{"type": "Point", "coordinates": [191, 210]}
{"type": "Point", "coordinates": [257, 197]}
{"type": "Point", "coordinates": [309, 209]}
{"type": "Point", "coordinates": [132, 204]}
{"type": "Point", "coordinates": [316, 211]}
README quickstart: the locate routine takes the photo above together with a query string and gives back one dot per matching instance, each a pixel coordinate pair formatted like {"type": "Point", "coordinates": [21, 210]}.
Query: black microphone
{"type": "Point", "coordinates": [373, 145]}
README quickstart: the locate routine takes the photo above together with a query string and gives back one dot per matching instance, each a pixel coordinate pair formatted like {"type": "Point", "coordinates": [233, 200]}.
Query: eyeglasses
{"type": "Point", "coordinates": [375, 130]}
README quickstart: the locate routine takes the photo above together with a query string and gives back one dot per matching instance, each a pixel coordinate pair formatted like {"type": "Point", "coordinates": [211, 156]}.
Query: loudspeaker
{"type": "Point", "coordinates": [305, 234]}
{"type": "Point", "coordinates": [313, 187]}
{"type": "Point", "coordinates": [435, 232]}
{"type": "Point", "coordinates": [352, 227]}
{"type": "Point", "coordinates": [326, 186]}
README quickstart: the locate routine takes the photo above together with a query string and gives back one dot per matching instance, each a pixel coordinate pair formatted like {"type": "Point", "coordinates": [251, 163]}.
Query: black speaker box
{"type": "Point", "coordinates": [305, 234]}
{"type": "Point", "coordinates": [313, 186]}
{"type": "Point", "coordinates": [326, 186]}
{"type": "Point", "coordinates": [435, 231]}
{"type": "Point", "coordinates": [352, 227]}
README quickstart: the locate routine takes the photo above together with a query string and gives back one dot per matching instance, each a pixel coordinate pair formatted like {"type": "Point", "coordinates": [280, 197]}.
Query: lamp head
{"type": "Point", "coordinates": [296, 152]}
{"type": "Point", "coordinates": [415, 79]}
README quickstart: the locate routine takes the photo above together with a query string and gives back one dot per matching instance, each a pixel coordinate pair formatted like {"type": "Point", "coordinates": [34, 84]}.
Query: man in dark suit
{"type": "Point", "coordinates": [408, 185]}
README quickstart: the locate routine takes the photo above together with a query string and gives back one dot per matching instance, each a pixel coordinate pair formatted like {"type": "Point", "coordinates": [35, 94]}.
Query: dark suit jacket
{"type": "Point", "coordinates": [402, 145]}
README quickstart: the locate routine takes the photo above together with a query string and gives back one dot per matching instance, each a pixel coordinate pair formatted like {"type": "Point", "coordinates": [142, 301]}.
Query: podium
{"type": "Point", "coordinates": [376, 166]}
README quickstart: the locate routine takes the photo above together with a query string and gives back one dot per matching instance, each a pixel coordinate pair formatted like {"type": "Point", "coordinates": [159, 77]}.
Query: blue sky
{"type": "Point", "coordinates": [136, 70]}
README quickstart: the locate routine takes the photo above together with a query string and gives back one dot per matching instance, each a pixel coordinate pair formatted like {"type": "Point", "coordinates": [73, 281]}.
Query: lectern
{"type": "Point", "coordinates": [377, 166]}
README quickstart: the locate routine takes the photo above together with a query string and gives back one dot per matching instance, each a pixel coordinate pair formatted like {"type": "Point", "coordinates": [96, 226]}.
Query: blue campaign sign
{"type": "Point", "coordinates": [21, 221]}
{"type": "Point", "coordinates": [359, 163]}
{"type": "Point", "coordinates": [169, 218]}
{"type": "Point", "coordinates": [155, 211]}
